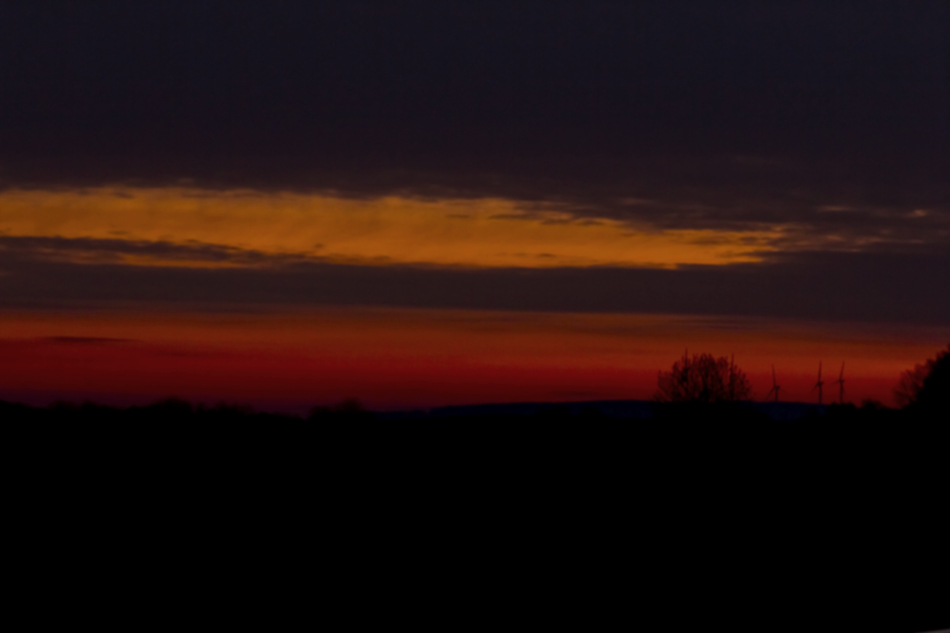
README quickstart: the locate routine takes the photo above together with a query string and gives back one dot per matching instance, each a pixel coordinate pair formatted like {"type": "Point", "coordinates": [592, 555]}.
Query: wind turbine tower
{"type": "Point", "coordinates": [819, 384]}
{"type": "Point", "coordinates": [840, 383]}
{"type": "Point", "coordinates": [775, 386]}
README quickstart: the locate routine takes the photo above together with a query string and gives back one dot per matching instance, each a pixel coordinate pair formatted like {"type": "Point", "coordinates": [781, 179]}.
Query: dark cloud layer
{"type": "Point", "coordinates": [905, 288]}
{"type": "Point", "coordinates": [759, 111]}
{"type": "Point", "coordinates": [832, 116]}
{"type": "Point", "coordinates": [116, 251]}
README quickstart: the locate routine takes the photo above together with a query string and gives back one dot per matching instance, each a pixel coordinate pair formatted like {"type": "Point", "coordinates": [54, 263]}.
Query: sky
{"type": "Point", "coordinates": [426, 203]}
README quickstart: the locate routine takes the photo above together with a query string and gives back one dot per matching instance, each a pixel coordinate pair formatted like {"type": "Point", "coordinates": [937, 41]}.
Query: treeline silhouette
{"type": "Point", "coordinates": [178, 411]}
{"type": "Point", "coordinates": [174, 410]}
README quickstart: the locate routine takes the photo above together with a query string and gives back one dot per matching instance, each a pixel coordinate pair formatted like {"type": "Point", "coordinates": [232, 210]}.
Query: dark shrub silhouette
{"type": "Point", "coordinates": [703, 379]}
{"type": "Point", "coordinates": [926, 387]}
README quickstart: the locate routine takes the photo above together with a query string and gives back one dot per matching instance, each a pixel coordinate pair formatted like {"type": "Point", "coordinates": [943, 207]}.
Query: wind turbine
{"type": "Point", "coordinates": [840, 383]}
{"type": "Point", "coordinates": [819, 384]}
{"type": "Point", "coordinates": [775, 386]}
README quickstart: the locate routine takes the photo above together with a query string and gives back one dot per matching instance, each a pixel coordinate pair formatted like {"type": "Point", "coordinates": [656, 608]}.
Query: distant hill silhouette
{"type": "Point", "coordinates": [180, 411]}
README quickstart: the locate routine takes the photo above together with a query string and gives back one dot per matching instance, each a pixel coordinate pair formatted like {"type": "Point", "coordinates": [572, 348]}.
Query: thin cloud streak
{"type": "Point", "coordinates": [868, 287]}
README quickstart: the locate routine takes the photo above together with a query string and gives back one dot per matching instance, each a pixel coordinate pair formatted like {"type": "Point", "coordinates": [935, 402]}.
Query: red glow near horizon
{"type": "Point", "coordinates": [399, 359]}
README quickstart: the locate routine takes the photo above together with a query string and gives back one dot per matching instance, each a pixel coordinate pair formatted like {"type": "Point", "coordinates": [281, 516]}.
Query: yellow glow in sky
{"type": "Point", "coordinates": [391, 230]}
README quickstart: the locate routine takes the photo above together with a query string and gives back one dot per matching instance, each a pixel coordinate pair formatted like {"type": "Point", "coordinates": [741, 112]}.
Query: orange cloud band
{"type": "Point", "coordinates": [468, 233]}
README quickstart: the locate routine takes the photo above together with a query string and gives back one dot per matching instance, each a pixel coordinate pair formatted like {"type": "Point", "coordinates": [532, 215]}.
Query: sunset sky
{"type": "Point", "coordinates": [426, 203]}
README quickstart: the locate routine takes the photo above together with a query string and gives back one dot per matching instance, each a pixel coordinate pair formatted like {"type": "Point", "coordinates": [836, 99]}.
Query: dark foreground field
{"type": "Point", "coordinates": [702, 518]}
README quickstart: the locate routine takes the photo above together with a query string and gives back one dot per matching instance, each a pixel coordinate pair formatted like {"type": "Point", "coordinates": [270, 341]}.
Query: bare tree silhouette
{"type": "Point", "coordinates": [703, 379]}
